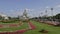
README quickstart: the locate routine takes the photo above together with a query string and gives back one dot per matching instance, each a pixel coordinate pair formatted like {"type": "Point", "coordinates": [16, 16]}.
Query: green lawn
{"type": "Point", "coordinates": [25, 25]}
{"type": "Point", "coordinates": [39, 26]}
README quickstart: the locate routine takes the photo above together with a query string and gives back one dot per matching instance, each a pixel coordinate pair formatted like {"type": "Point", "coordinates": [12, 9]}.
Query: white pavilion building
{"type": "Point", "coordinates": [4, 16]}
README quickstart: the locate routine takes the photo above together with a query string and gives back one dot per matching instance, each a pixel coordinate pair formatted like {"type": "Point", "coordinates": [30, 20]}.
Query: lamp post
{"type": "Point", "coordinates": [41, 17]}
{"type": "Point", "coordinates": [46, 15]}
{"type": "Point", "coordinates": [52, 13]}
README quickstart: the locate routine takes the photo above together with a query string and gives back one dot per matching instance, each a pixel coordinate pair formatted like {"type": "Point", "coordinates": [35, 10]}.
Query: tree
{"type": "Point", "coordinates": [9, 17]}
{"type": "Point", "coordinates": [57, 16]}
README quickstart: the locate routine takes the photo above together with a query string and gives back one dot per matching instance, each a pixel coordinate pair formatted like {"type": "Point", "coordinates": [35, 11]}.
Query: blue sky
{"type": "Point", "coordinates": [35, 7]}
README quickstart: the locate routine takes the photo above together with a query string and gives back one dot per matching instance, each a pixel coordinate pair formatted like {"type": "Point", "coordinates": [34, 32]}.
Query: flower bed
{"type": "Point", "coordinates": [31, 27]}
{"type": "Point", "coordinates": [13, 25]}
{"type": "Point", "coordinates": [1, 26]}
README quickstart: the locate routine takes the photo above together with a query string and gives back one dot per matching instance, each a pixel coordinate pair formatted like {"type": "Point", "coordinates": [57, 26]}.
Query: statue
{"type": "Point", "coordinates": [24, 17]}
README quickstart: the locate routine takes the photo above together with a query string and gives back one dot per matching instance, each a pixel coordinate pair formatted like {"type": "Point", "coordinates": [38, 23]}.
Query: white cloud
{"type": "Point", "coordinates": [58, 6]}
{"type": "Point", "coordinates": [35, 12]}
{"type": "Point", "coordinates": [19, 11]}
{"type": "Point", "coordinates": [47, 7]}
{"type": "Point", "coordinates": [29, 9]}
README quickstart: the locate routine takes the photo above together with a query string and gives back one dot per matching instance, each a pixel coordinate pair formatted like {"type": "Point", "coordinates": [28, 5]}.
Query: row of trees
{"type": "Point", "coordinates": [56, 17]}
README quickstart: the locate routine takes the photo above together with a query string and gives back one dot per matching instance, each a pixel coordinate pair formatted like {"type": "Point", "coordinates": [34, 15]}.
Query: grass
{"type": "Point", "coordinates": [10, 21]}
{"type": "Point", "coordinates": [14, 28]}
{"type": "Point", "coordinates": [39, 26]}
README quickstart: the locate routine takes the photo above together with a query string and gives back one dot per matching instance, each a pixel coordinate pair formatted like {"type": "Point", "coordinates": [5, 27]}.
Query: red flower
{"type": "Point", "coordinates": [1, 26]}
{"type": "Point", "coordinates": [13, 25]}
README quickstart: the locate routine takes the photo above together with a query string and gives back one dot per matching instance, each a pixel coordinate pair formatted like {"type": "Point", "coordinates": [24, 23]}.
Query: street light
{"type": "Point", "coordinates": [52, 13]}
{"type": "Point", "coordinates": [45, 16]}
{"type": "Point", "coordinates": [46, 13]}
